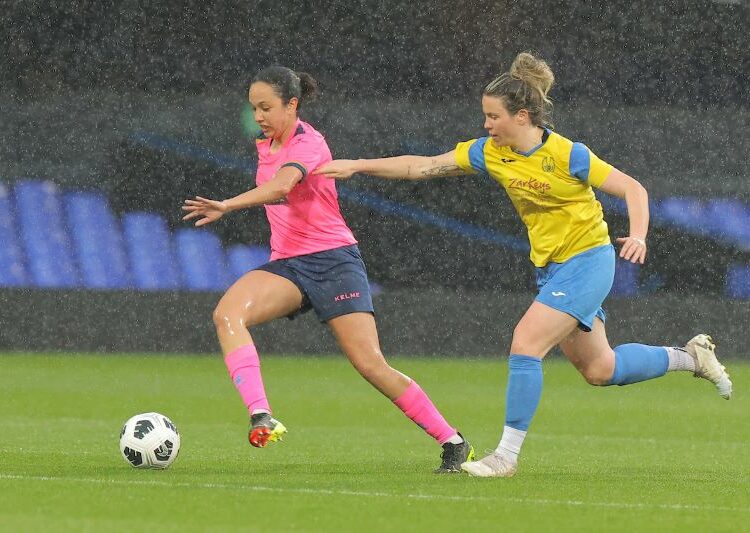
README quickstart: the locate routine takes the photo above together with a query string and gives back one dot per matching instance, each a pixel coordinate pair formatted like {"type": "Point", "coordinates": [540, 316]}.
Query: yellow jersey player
{"type": "Point", "coordinates": [549, 180]}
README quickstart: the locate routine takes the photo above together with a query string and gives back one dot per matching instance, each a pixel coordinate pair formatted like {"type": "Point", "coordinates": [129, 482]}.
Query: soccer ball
{"type": "Point", "coordinates": [149, 440]}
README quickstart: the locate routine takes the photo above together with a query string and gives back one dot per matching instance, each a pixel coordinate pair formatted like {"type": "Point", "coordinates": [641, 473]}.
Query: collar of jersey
{"type": "Point", "coordinates": [545, 136]}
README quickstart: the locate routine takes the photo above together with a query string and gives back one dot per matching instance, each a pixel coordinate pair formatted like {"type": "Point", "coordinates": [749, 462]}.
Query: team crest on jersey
{"type": "Point", "coordinates": [548, 164]}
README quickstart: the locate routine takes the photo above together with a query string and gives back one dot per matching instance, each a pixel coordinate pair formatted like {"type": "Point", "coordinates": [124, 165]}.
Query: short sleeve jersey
{"type": "Point", "coordinates": [551, 188]}
{"type": "Point", "coordinates": [309, 219]}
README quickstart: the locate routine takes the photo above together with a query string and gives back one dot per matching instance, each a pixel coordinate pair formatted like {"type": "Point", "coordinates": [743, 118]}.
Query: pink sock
{"type": "Point", "coordinates": [244, 368]}
{"type": "Point", "coordinates": [417, 405]}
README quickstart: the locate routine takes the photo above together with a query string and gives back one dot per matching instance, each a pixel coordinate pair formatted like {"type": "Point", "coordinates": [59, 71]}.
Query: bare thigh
{"type": "Point", "coordinates": [540, 329]}
{"type": "Point", "coordinates": [591, 353]}
{"type": "Point", "coordinates": [255, 298]}
{"type": "Point", "coordinates": [357, 335]}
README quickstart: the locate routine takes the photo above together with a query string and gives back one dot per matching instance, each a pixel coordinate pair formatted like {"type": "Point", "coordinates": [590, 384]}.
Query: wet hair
{"type": "Point", "coordinates": [525, 86]}
{"type": "Point", "coordinates": [288, 84]}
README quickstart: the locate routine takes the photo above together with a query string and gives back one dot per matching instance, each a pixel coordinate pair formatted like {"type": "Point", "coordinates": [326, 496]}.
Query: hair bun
{"type": "Point", "coordinates": [308, 86]}
{"type": "Point", "coordinates": [533, 71]}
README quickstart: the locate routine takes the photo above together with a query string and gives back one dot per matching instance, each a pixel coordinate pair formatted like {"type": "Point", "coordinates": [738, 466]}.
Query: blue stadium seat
{"type": "Point", "coordinates": [201, 260]}
{"type": "Point", "coordinates": [738, 281]}
{"type": "Point", "coordinates": [97, 241]}
{"type": "Point", "coordinates": [12, 270]}
{"type": "Point", "coordinates": [656, 215]}
{"type": "Point", "coordinates": [626, 280]}
{"type": "Point", "coordinates": [686, 213]}
{"type": "Point", "coordinates": [612, 204]}
{"type": "Point", "coordinates": [149, 246]}
{"type": "Point", "coordinates": [242, 258]}
{"type": "Point", "coordinates": [44, 235]}
{"type": "Point", "coordinates": [729, 221]}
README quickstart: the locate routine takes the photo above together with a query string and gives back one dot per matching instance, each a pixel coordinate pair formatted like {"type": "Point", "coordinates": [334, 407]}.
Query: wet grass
{"type": "Point", "coordinates": [667, 455]}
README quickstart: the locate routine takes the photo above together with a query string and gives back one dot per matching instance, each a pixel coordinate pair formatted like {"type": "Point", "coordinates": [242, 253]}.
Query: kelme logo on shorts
{"type": "Point", "coordinates": [346, 296]}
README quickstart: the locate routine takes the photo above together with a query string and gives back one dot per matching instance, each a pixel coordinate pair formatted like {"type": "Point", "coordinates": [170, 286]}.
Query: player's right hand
{"type": "Point", "coordinates": [339, 169]}
{"type": "Point", "coordinates": [210, 210]}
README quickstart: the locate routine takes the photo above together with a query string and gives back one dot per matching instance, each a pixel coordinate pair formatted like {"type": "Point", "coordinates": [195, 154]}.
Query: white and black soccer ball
{"type": "Point", "coordinates": [149, 440]}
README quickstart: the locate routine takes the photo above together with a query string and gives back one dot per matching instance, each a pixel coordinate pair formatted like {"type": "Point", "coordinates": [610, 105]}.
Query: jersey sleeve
{"type": "Point", "coordinates": [470, 155]}
{"type": "Point", "coordinates": [305, 154]}
{"type": "Point", "coordinates": [586, 166]}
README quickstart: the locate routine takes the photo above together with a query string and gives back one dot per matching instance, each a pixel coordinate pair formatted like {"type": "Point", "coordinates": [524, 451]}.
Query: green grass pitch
{"type": "Point", "coordinates": [668, 455]}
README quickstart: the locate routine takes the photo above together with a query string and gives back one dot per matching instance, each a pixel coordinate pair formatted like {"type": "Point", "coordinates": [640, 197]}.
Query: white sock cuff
{"type": "Point", "coordinates": [511, 441]}
{"type": "Point", "coordinates": [679, 359]}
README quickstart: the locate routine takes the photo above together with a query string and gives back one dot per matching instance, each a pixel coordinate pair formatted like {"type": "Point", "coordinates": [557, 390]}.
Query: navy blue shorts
{"type": "Point", "coordinates": [332, 282]}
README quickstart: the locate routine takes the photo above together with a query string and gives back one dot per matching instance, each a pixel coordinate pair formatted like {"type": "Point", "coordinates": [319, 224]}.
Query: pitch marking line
{"type": "Point", "coordinates": [255, 488]}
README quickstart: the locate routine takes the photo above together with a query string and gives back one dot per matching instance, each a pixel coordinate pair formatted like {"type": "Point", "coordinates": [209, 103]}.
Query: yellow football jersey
{"type": "Point", "coordinates": [551, 188]}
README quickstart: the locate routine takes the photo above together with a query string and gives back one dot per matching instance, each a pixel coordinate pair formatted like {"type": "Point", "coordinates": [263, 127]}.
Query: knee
{"type": "Point", "coordinates": [226, 320]}
{"type": "Point", "coordinates": [373, 371]}
{"type": "Point", "coordinates": [599, 373]}
{"type": "Point", "coordinates": [523, 343]}
{"type": "Point", "coordinates": [598, 379]}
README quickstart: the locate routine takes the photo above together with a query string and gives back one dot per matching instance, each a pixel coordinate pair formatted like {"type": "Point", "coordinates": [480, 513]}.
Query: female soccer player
{"type": "Point", "coordinates": [549, 180]}
{"type": "Point", "coordinates": [315, 264]}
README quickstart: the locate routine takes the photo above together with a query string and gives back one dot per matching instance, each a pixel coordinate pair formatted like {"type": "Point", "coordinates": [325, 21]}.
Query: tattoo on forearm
{"type": "Point", "coordinates": [444, 170]}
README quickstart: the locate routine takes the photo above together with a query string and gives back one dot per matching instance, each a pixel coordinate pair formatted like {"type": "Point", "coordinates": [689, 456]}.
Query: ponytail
{"type": "Point", "coordinates": [525, 86]}
{"type": "Point", "coordinates": [288, 84]}
{"type": "Point", "coordinates": [308, 87]}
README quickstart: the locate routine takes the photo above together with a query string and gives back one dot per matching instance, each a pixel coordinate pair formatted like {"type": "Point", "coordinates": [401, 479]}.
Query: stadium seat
{"type": "Point", "coordinates": [44, 234]}
{"type": "Point", "coordinates": [738, 281]}
{"type": "Point", "coordinates": [729, 220]}
{"type": "Point", "coordinates": [12, 270]}
{"type": "Point", "coordinates": [201, 259]}
{"type": "Point", "coordinates": [242, 258]}
{"type": "Point", "coordinates": [626, 278]}
{"type": "Point", "coordinates": [97, 241]}
{"type": "Point", "coordinates": [149, 246]}
{"type": "Point", "coordinates": [656, 216]}
{"type": "Point", "coordinates": [686, 213]}
{"type": "Point", "coordinates": [612, 204]}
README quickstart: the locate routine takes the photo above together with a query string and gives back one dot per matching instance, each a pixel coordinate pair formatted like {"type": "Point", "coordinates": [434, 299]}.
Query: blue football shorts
{"type": "Point", "coordinates": [579, 286]}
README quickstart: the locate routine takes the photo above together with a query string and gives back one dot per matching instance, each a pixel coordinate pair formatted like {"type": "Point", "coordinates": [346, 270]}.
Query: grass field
{"type": "Point", "coordinates": [668, 455]}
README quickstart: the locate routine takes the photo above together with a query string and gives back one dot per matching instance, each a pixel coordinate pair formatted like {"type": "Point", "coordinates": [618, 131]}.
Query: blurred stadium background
{"type": "Point", "coordinates": [113, 113]}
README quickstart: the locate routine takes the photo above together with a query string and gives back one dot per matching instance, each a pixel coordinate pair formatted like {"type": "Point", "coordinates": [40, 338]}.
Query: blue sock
{"type": "Point", "coordinates": [524, 390]}
{"type": "Point", "coordinates": [638, 362]}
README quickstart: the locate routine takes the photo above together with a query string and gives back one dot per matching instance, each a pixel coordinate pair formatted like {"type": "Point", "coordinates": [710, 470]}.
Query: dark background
{"type": "Point", "coordinates": [641, 52]}
{"type": "Point", "coordinates": [661, 90]}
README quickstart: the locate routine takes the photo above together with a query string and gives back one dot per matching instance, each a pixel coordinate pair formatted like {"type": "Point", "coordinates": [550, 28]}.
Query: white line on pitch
{"type": "Point", "coordinates": [255, 488]}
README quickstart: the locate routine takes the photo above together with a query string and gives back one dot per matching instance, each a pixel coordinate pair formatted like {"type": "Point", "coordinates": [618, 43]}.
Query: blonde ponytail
{"type": "Point", "coordinates": [525, 86]}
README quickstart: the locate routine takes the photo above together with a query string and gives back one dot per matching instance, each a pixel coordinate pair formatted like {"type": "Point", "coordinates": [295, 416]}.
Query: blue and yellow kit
{"type": "Point", "coordinates": [551, 188]}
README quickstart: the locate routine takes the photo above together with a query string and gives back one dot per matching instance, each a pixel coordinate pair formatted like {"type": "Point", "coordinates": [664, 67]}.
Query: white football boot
{"type": "Point", "coordinates": [494, 465]}
{"type": "Point", "coordinates": [701, 349]}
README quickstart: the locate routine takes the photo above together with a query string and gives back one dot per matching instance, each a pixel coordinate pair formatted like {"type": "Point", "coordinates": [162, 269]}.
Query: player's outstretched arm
{"type": "Point", "coordinates": [636, 197]}
{"type": "Point", "coordinates": [270, 192]}
{"type": "Point", "coordinates": [410, 167]}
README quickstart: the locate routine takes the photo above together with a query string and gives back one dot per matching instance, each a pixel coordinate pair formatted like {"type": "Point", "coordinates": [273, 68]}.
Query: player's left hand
{"type": "Point", "coordinates": [210, 210]}
{"type": "Point", "coordinates": [633, 249]}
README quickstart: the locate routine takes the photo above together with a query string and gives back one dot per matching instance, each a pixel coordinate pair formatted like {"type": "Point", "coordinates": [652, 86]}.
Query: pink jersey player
{"type": "Point", "coordinates": [315, 264]}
